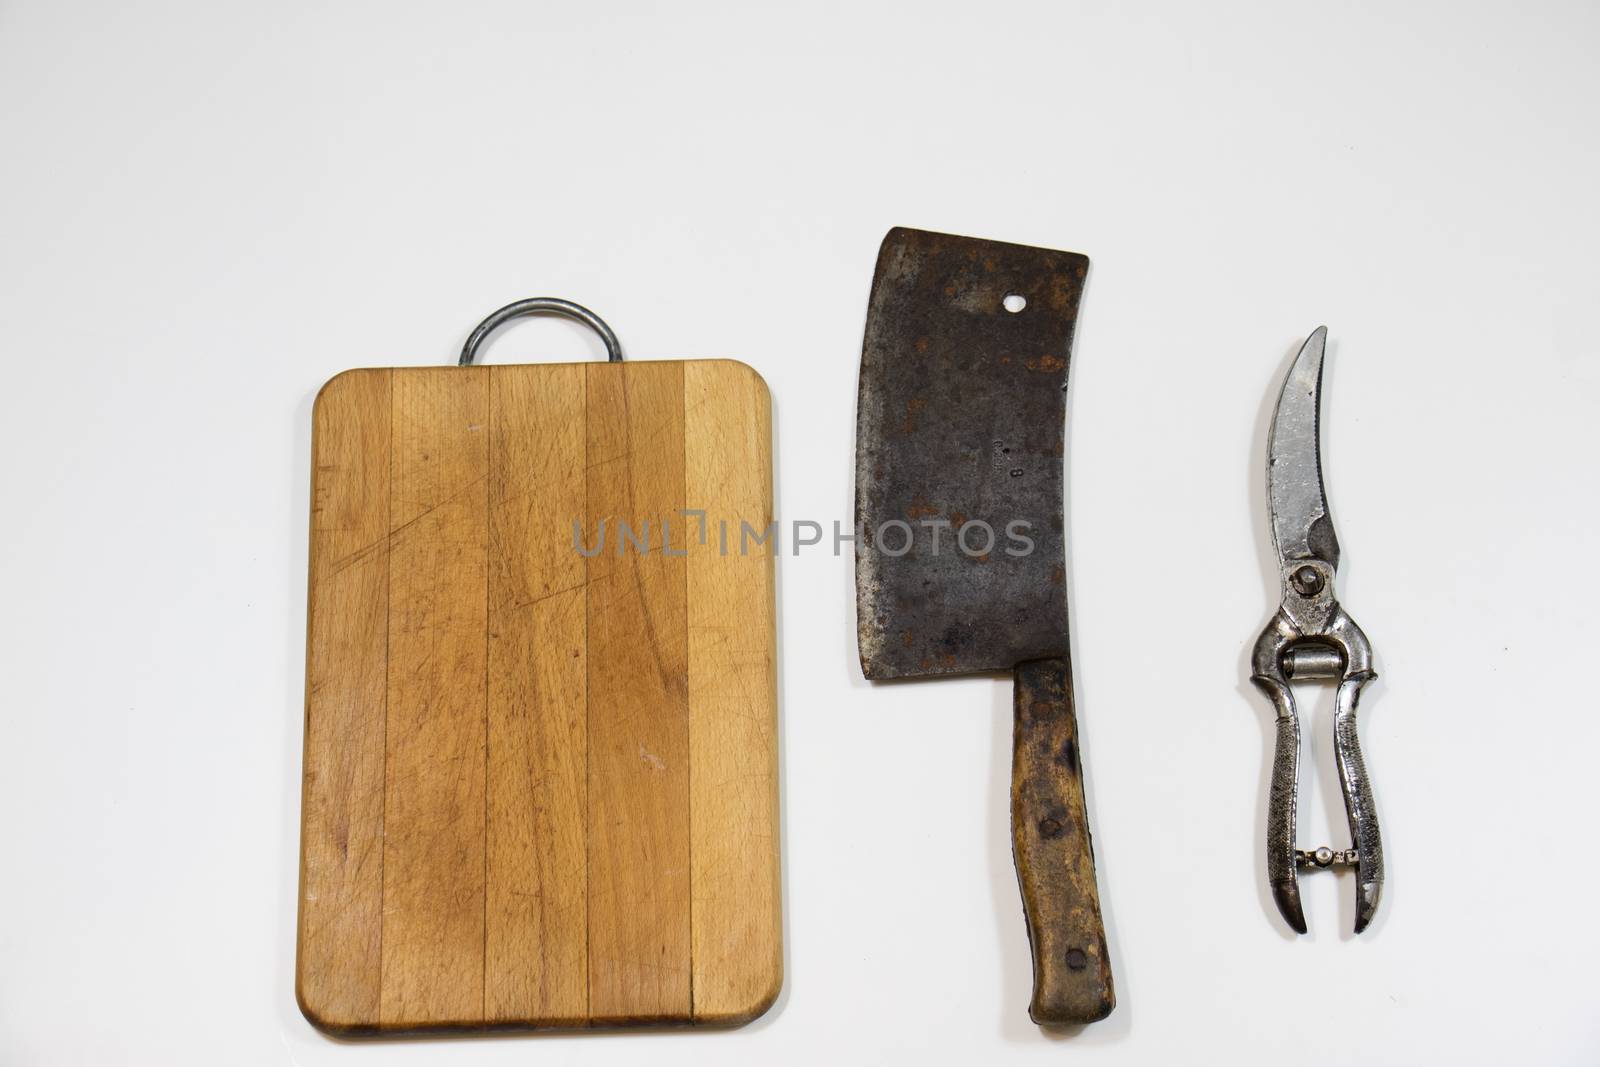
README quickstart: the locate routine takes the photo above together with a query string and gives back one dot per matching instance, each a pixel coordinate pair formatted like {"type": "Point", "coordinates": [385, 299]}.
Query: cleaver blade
{"type": "Point", "coordinates": [961, 553]}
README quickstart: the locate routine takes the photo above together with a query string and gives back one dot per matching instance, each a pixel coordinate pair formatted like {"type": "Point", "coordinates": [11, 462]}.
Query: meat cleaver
{"type": "Point", "coordinates": [960, 551]}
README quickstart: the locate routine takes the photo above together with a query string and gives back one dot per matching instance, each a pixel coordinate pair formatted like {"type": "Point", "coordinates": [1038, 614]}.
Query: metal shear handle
{"type": "Point", "coordinates": [1339, 650]}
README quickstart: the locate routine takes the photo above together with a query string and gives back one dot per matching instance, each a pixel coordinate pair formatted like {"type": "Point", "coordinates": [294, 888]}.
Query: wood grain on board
{"type": "Point", "coordinates": [537, 917]}
{"type": "Point", "coordinates": [638, 678]}
{"type": "Point", "coordinates": [540, 774]}
{"type": "Point", "coordinates": [733, 737]}
{"type": "Point", "coordinates": [347, 635]}
{"type": "Point", "coordinates": [435, 775]}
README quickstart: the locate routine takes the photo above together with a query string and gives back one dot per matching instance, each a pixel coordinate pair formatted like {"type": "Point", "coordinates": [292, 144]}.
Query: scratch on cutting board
{"type": "Point", "coordinates": [650, 759]}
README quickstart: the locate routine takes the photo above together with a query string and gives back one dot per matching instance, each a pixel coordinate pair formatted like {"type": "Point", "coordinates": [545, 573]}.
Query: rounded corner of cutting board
{"type": "Point", "coordinates": [344, 381]}
{"type": "Point", "coordinates": [745, 370]}
{"type": "Point", "coordinates": [318, 1005]}
{"type": "Point", "coordinates": [753, 1002]}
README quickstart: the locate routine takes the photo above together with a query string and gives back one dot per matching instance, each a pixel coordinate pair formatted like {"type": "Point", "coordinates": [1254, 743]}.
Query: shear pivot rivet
{"type": "Point", "coordinates": [1307, 582]}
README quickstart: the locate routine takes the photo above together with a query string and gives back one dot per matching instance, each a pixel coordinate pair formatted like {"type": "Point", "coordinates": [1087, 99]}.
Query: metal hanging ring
{"type": "Point", "coordinates": [541, 305]}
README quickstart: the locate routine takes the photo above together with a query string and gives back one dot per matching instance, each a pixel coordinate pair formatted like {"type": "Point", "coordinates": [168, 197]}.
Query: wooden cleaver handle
{"type": "Point", "coordinates": [1055, 858]}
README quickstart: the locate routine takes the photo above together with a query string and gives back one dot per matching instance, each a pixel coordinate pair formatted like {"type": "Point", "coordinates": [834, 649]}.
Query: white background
{"type": "Point", "coordinates": [210, 208]}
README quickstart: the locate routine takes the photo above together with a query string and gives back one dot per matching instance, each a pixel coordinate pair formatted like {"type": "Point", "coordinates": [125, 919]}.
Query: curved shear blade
{"type": "Point", "coordinates": [1301, 526]}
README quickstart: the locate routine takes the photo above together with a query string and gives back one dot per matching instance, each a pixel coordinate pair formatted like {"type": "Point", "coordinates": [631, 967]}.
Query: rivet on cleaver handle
{"type": "Point", "coordinates": [961, 561]}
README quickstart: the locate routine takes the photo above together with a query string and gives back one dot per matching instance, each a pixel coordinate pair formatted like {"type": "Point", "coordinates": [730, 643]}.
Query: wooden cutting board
{"type": "Point", "coordinates": [540, 788]}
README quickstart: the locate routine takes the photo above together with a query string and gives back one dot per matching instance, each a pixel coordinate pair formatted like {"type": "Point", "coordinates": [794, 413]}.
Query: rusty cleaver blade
{"type": "Point", "coordinates": [960, 559]}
